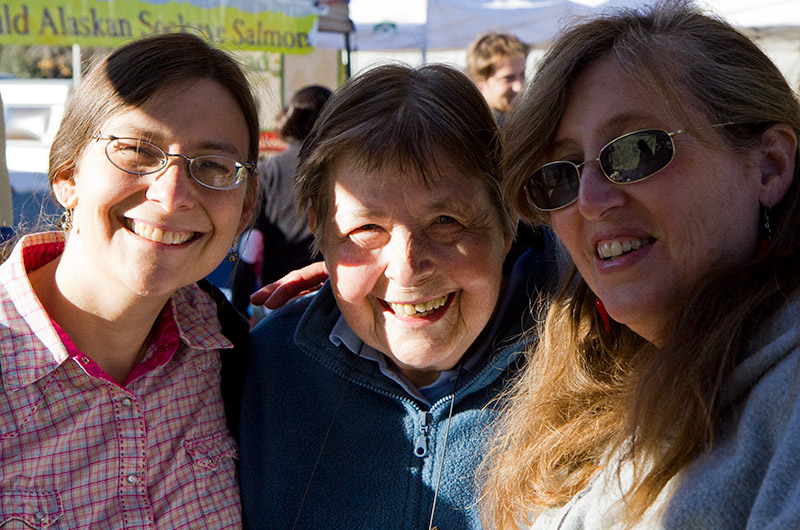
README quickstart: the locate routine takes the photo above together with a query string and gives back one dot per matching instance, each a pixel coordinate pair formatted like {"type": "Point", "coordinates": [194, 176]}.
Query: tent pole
{"type": "Point", "coordinates": [347, 69]}
{"type": "Point", "coordinates": [76, 64]}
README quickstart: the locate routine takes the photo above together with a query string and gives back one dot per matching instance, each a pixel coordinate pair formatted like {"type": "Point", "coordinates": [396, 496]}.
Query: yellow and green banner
{"type": "Point", "coordinates": [283, 26]}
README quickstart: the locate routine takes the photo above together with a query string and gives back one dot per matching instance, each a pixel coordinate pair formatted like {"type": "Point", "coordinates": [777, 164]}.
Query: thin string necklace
{"type": "Point", "coordinates": [325, 439]}
{"type": "Point", "coordinates": [330, 426]}
{"type": "Point", "coordinates": [444, 450]}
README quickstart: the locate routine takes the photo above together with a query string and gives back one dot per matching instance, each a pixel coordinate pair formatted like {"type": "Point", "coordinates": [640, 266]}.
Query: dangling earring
{"type": "Point", "coordinates": [65, 222]}
{"type": "Point", "coordinates": [765, 232]}
{"type": "Point", "coordinates": [233, 254]}
{"type": "Point", "coordinates": [603, 314]}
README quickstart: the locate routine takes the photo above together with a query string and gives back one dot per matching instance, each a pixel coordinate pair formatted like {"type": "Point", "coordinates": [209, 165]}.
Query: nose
{"type": "Point", "coordinates": [516, 86]}
{"type": "Point", "coordinates": [408, 258]}
{"type": "Point", "coordinates": [596, 194]}
{"type": "Point", "coordinates": [172, 186]}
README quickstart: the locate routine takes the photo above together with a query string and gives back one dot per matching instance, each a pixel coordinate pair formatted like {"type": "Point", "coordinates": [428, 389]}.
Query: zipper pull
{"type": "Point", "coordinates": [421, 448]}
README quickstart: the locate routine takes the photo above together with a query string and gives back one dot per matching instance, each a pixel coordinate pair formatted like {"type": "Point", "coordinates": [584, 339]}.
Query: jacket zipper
{"type": "Point", "coordinates": [421, 443]}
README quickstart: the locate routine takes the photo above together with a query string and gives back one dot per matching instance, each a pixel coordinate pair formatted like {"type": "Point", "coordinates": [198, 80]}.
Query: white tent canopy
{"type": "Point", "coordinates": [757, 14]}
{"type": "Point", "coordinates": [454, 24]}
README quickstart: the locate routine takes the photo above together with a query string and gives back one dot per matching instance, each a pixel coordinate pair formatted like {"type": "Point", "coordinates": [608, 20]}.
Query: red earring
{"type": "Point", "coordinates": [603, 314]}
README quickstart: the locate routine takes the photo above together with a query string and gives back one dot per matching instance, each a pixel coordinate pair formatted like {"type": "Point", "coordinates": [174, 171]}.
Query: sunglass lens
{"type": "Point", "coordinates": [637, 155]}
{"type": "Point", "coordinates": [554, 185]}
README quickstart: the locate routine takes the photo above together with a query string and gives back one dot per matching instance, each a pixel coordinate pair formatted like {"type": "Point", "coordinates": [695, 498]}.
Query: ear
{"type": "Point", "coordinates": [508, 241]}
{"type": "Point", "coordinates": [312, 221]}
{"type": "Point", "coordinates": [777, 164]}
{"type": "Point", "coordinates": [65, 188]}
{"type": "Point", "coordinates": [247, 215]}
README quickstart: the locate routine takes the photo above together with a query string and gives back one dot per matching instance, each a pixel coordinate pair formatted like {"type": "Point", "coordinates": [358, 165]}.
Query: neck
{"type": "Point", "coordinates": [112, 328]}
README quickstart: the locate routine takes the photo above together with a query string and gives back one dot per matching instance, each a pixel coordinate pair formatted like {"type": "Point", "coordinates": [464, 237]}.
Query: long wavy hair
{"type": "Point", "coordinates": [587, 393]}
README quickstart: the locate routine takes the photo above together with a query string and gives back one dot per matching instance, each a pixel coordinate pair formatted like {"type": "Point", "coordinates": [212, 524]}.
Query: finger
{"type": "Point", "coordinates": [290, 286]}
{"type": "Point", "coordinates": [287, 292]}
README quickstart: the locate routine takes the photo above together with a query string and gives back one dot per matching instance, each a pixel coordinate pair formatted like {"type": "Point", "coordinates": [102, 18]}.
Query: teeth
{"type": "Point", "coordinates": [158, 235]}
{"type": "Point", "coordinates": [617, 248]}
{"type": "Point", "coordinates": [419, 308]}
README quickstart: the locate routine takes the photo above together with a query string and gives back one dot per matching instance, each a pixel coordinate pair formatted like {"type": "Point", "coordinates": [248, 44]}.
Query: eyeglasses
{"type": "Point", "coordinates": [632, 157]}
{"type": "Point", "coordinates": [140, 157]}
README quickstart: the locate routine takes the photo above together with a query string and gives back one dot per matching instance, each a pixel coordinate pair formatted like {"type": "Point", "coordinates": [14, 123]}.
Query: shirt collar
{"type": "Point", "coordinates": [343, 334]}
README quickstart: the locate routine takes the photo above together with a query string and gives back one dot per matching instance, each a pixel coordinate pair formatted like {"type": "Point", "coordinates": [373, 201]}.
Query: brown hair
{"type": "Point", "coordinates": [407, 116]}
{"type": "Point", "coordinates": [484, 53]}
{"type": "Point", "coordinates": [134, 72]}
{"type": "Point", "coordinates": [587, 392]}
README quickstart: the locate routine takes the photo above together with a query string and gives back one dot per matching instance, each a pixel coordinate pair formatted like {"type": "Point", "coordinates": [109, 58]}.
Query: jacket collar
{"type": "Point", "coordinates": [500, 344]}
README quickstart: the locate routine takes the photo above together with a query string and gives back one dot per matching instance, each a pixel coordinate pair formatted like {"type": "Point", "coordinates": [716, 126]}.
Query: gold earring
{"type": "Point", "coordinates": [233, 254]}
{"type": "Point", "coordinates": [65, 222]}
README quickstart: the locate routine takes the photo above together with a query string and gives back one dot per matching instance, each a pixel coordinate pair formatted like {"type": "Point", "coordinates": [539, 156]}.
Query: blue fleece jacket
{"type": "Point", "coordinates": [382, 448]}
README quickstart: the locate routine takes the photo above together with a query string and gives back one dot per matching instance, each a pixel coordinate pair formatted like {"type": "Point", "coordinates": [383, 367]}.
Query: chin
{"type": "Point", "coordinates": [156, 288]}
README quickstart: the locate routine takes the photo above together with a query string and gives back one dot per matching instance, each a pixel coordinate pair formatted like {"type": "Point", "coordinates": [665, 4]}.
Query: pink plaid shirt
{"type": "Point", "coordinates": [77, 450]}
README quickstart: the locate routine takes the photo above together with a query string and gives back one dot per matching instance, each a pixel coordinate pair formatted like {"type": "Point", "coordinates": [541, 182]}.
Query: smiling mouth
{"type": "Point", "coordinates": [617, 247]}
{"type": "Point", "coordinates": [158, 235]}
{"type": "Point", "coordinates": [420, 309]}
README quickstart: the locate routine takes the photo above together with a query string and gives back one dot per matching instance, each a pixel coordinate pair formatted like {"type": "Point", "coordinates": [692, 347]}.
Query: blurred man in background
{"type": "Point", "coordinates": [496, 62]}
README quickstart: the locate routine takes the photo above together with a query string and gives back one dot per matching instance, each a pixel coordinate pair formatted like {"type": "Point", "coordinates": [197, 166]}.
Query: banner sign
{"type": "Point", "coordinates": [283, 26]}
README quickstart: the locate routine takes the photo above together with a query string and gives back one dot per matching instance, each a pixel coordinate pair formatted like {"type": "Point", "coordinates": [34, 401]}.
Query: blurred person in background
{"type": "Point", "coordinates": [281, 240]}
{"type": "Point", "coordinates": [496, 62]}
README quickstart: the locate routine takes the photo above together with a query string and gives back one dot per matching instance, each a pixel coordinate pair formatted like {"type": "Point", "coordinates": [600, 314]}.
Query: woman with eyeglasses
{"type": "Point", "coordinates": [111, 413]}
{"type": "Point", "coordinates": [661, 146]}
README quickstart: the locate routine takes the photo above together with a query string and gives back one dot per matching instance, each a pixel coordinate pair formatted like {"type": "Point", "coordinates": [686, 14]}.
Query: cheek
{"type": "Point", "coordinates": [225, 210]}
{"type": "Point", "coordinates": [352, 281]}
{"type": "Point", "coordinates": [566, 224]}
{"type": "Point", "coordinates": [478, 268]}
{"type": "Point", "coordinates": [714, 221]}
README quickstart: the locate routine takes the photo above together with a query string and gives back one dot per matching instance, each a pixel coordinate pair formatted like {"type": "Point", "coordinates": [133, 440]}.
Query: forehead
{"type": "Point", "coordinates": [608, 101]}
{"type": "Point", "coordinates": [171, 112]}
{"type": "Point", "coordinates": [506, 65]}
{"type": "Point", "coordinates": [396, 187]}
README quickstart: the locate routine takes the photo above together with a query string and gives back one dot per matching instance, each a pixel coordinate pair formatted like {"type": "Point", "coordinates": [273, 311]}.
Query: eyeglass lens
{"type": "Point", "coordinates": [141, 157]}
{"type": "Point", "coordinates": [630, 158]}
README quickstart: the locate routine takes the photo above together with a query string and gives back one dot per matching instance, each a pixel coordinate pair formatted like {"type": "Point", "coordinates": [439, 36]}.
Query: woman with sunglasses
{"type": "Point", "coordinates": [111, 414]}
{"type": "Point", "coordinates": [661, 145]}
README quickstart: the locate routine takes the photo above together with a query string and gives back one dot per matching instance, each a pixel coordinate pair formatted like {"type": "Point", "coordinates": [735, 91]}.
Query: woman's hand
{"type": "Point", "coordinates": [297, 283]}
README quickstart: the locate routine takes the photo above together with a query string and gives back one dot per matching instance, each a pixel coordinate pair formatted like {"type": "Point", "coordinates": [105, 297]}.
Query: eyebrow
{"type": "Point", "coordinates": [450, 204]}
{"type": "Point", "coordinates": [447, 204]}
{"type": "Point", "coordinates": [159, 139]}
{"type": "Point", "coordinates": [358, 211]}
{"type": "Point", "coordinates": [612, 127]}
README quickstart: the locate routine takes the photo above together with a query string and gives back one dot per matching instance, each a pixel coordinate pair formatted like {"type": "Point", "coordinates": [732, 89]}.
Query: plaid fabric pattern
{"type": "Point", "coordinates": [78, 450]}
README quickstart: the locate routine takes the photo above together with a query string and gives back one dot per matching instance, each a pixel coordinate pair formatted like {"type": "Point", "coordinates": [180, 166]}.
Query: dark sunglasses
{"type": "Point", "coordinates": [632, 157]}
